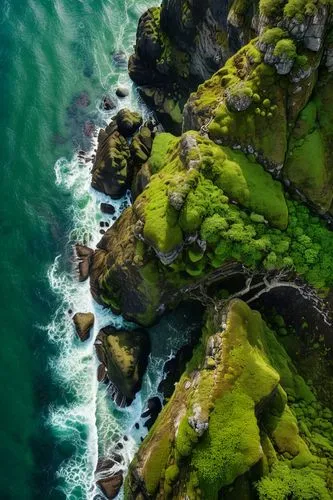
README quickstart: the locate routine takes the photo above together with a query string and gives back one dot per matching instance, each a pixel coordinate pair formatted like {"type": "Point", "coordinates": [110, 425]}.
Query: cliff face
{"type": "Point", "coordinates": [181, 44]}
{"type": "Point", "coordinates": [229, 421]}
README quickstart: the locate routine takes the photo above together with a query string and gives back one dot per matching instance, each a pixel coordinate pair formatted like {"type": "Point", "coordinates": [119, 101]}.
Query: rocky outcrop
{"type": "Point", "coordinates": [180, 45]}
{"type": "Point", "coordinates": [111, 171]}
{"type": "Point", "coordinates": [123, 147]}
{"type": "Point", "coordinates": [83, 324]}
{"type": "Point", "coordinates": [83, 255]}
{"type": "Point", "coordinates": [206, 210]}
{"type": "Point", "coordinates": [108, 480]}
{"type": "Point", "coordinates": [228, 418]}
{"type": "Point", "coordinates": [125, 356]}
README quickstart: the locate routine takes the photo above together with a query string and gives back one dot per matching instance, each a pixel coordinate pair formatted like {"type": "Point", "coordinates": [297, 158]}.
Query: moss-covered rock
{"type": "Point", "coordinates": [309, 161]}
{"type": "Point", "coordinates": [204, 209]}
{"type": "Point", "coordinates": [125, 355]}
{"type": "Point", "coordinates": [228, 413]}
{"type": "Point", "coordinates": [128, 122]}
{"type": "Point", "coordinates": [111, 169]}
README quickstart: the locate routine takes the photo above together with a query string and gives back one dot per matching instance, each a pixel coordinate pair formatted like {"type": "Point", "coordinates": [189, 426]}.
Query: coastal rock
{"type": "Point", "coordinates": [111, 169]}
{"type": "Point", "coordinates": [107, 103]}
{"type": "Point", "coordinates": [125, 356]}
{"type": "Point", "coordinates": [214, 406]}
{"type": "Point", "coordinates": [154, 407]}
{"type": "Point", "coordinates": [83, 324]}
{"type": "Point", "coordinates": [128, 122]}
{"type": "Point", "coordinates": [109, 479]}
{"type": "Point", "coordinates": [84, 255]}
{"type": "Point", "coordinates": [106, 208]}
{"type": "Point", "coordinates": [122, 91]}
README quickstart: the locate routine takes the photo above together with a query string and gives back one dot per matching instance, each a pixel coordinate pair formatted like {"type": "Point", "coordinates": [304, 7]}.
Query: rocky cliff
{"type": "Point", "coordinates": [232, 426]}
{"type": "Point", "coordinates": [236, 201]}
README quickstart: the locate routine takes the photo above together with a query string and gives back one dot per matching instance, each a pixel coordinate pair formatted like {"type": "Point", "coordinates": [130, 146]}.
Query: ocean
{"type": "Point", "coordinates": [58, 59]}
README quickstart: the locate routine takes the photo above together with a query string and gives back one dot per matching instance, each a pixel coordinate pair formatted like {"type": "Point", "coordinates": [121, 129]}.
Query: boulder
{"type": "Point", "coordinates": [125, 355]}
{"type": "Point", "coordinates": [106, 208]}
{"type": "Point", "coordinates": [122, 91]}
{"type": "Point", "coordinates": [128, 122]}
{"type": "Point", "coordinates": [83, 323]}
{"type": "Point", "coordinates": [84, 255]}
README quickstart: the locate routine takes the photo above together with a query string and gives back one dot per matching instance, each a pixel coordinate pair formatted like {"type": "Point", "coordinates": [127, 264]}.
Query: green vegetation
{"type": "Point", "coordinates": [179, 202]}
{"type": "Point", "coordinates": [249, 374]}
{"type": "Point", "coordinates": [284, 482]}
{"type": "Point", "coordinates": [309, 162]}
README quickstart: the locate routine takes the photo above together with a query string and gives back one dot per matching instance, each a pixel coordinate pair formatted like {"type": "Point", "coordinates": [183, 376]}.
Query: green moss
{"type": "Point", "coordinates": [232, 423]}
{"type": "Point", "coordinates": [284, 482]}
{"type": "Point", "coordinates": [286, 49]}
{"type": "Point", "coordinates": [272, 35]}
{"type": "Point", "coordinates": [159, 154]}
{"type": "Point", "coordinates": [157, 463]}
{"type": "Point", "coordinates": [309, 163]}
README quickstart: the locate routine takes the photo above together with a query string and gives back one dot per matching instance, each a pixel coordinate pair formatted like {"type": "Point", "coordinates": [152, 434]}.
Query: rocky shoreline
{"type": "Point", "coordinates": [243, 94]}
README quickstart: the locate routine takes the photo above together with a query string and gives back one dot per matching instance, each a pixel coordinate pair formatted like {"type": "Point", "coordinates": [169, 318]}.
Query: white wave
{"type": "Point", "coordinates": [89, 421]}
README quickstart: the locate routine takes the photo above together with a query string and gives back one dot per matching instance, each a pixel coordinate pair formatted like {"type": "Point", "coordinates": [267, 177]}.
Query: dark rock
{"type": "Point", "coordinates": [83, 323]}
{"type": "Point", "coordinates": [70, 311]}
{"type": "Point", "coordinates": [102, 373]}
{"type": "Point", "coordinates": [137, 426]}
{"type": "Point", "coordinates": [122, 91]}
{"type": "Point", "coordinates": [154, 407]}
{"type": "Point", "coordinates": [83, 251]}
{"type": "Point", "coordinates": [125, 438]}
{"type": "Point", "coordinates": [101, 224]}
{"type": "Point", "coordinates": [102, 231]}
{"type": "Point", "coordinates": [125, 355]}
{"type": "Point", "coordinates": [106, 224]}
{"type": "Point", "coordinates": [107, 209]}
{"type": "Point", "coordinates": [114, 218]}
{"type": "Point", "coordinates": [128, 122]}
{"type": "Point", "coordinates": [107, 103]}
{"type": "Point", "coordinates": [84, 267]}
{"type": "Point", "coordinates": [112, 169]}
{"type": "Point", "coordinates": [84, 255]}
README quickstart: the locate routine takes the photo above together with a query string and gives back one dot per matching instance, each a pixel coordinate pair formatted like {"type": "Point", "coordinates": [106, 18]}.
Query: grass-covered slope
{"type": "Point", "coordinates": [228, 417]}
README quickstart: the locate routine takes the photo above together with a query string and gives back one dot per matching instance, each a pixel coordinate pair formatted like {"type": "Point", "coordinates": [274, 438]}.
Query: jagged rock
{"type": "Point", "coordinates": [154, 407]}
{"type": "Point", "coordinates": [84, 255]}
{"type": "Point", "coordinates": [125, 356]}
{"type": "Point", "coordinates": [141, 180]}
{"type": "Point", "coordinates": [83, 324]}
{"type": "Point", "coordinates": [128, 122]}
{"type": "Point", "coordinates": [108, 481]}
{"type": "Point", "coordinates": [111, 170]}
{"type": "Point", "coordinates": [102, 373]}
{"type": "Point", "coordinates": [107, 103]}
{"type": "Point", "coordinates": [224, 405]}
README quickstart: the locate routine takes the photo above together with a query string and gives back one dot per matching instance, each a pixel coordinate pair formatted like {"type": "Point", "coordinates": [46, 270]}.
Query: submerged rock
{"type": "Point", "coordinates": [83, 324]}
{"type": "Point", "coordinates": [125, 356]}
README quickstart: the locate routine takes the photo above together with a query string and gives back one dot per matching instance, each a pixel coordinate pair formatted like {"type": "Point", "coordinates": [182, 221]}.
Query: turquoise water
{"type": "Point", "coordinates": [55, 57]}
